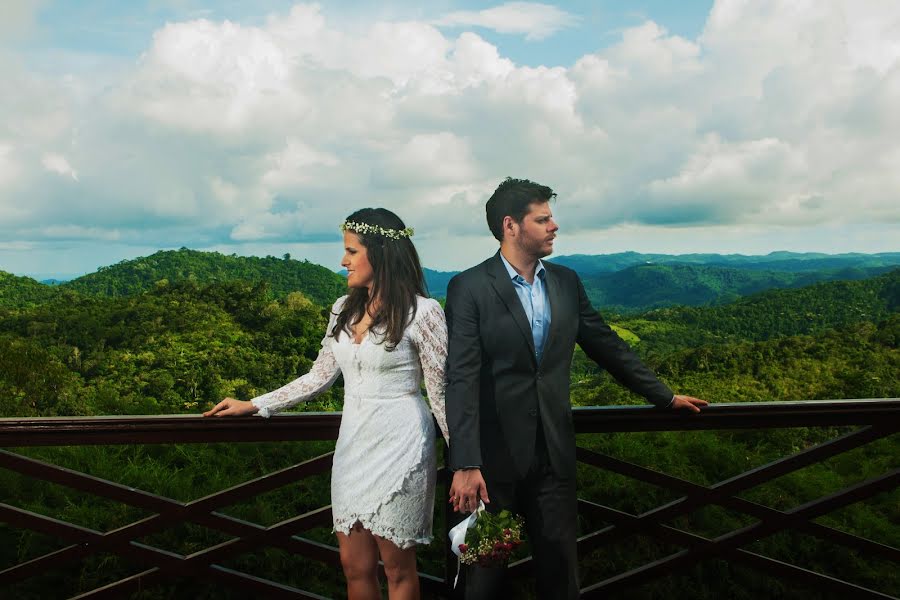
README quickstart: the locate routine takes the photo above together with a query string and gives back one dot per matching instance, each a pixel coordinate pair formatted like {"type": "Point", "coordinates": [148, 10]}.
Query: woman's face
{"type": "Point", "coordinates": [356, 261]}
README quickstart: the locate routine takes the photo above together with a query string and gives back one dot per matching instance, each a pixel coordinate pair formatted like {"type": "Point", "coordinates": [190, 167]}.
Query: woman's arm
{"type": "Point", "coordinates": [430, 339]}
{"type": "Point", "coordinates": [320, 377]}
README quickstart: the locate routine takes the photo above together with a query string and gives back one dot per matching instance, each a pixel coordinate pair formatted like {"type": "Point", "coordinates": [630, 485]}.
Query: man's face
{"type": "Point", "coordinates": [536, 232]}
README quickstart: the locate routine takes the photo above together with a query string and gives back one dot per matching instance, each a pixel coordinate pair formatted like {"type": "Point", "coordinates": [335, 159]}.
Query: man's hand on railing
{"type": "Point", "coordinates": [689, 402]}
{"type": "Point", "coordinates": [229, 407]}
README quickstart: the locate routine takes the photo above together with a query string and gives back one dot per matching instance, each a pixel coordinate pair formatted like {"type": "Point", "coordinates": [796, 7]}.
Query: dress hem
{"type": "Point", "coordinates": [346, 527]}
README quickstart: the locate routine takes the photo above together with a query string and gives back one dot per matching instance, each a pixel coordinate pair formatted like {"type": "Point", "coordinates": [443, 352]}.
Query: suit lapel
{"type": "Point", "coordinates": [503, 285]}
{"type": "Point", "coordinates": [554, 294]}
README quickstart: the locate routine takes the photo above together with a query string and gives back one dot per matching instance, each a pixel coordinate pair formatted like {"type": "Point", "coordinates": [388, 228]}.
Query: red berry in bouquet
{"type": "Point", "coordinates": [492, 539]}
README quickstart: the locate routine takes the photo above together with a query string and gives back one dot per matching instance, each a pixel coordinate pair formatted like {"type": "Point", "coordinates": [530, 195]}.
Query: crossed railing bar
{"type": "Point", "coordinates": [730, 487]}
{"type": "Point", "coordinates": [169, 512]}
{"type": "Point", "coordinates": [771, 520]}
{"type": "Point", "coordinates": [166, 563]}
{"type": "Point", "coordinates": [724, 493]}
{"type": "Point", "coordinates": [138, 581]}
{"type": "Point", "coordinates": [735, 503]}
{"type": "Point", "coordinates": [764, 563]}
{"type": "Point", "coordinates": [733, 540]}
{"type": "Point", "coordinates": [880, 418]}
{"type": "Point", "coordinates": [120, 541]}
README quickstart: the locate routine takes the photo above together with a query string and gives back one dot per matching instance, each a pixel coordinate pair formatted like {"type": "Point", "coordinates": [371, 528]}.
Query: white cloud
{"type": "Point", "coordinates": [427, 160]}
{"type": "Point", "coordinates": [778, 115]}
{"type": "Point", "coordinates": [77, 232]}
{"type": "Point", "coordinates": [748, 182]}
{"type": "Point", "coordinates": [213, 77]}
{"type": "Point", "coordinates": [9, 167]}
{"type": "Point", "coordinates": [17, 17]}
{"type": "Point", "coordinates": [536, 20]}
{"type": "Point", "coordinates": [873, 40]}
{"type": "Point", "coordinates": [16, 246]}
{"type": "Point", "coordinates": [295, 164]}
{"type": "Point", "coordinates": [59, 164]}
{"type": "Point", "coordinates": [475, 61]}
{"type": "Point", "coordinates": [649, 49]}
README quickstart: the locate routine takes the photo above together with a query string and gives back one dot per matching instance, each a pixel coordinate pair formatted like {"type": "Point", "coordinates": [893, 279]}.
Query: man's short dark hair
{"type": "Point", "coordinates": [512, 198]}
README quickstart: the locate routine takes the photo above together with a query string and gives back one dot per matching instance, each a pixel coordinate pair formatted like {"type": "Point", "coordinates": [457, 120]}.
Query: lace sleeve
{"type": "Point", "coordinates": [430, 338]}
{"type": "Point", "coordinates": [320, 377]}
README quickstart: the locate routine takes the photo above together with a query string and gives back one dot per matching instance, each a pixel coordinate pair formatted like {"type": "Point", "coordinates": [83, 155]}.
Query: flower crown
{"type": "Point", "coordinates": [364, 228]}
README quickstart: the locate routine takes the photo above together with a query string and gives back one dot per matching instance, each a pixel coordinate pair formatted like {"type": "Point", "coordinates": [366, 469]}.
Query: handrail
{"type": "Point", "coordinates": [741, 415]}
{"type": "Point", "coordinates": [167, 429]}
{"type": "Point", "coordinates": [879, 418]}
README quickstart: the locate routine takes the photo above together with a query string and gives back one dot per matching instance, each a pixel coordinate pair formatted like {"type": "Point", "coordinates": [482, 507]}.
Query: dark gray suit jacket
{"type": "Point", "coordinates": [497, 392]}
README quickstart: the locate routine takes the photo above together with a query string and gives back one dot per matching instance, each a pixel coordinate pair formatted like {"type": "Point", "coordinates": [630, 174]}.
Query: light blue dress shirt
{"type": "Point", "coordinates": [535, 301]}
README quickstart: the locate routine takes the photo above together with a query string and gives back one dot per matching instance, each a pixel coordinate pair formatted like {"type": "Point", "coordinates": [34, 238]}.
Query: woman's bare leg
{"type": "Point", "coordinates": [359, 558]}
{"type": "Point", "coordinates": [400, 570]}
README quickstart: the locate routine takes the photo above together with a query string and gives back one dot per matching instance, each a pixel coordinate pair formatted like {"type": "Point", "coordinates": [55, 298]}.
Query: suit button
{"type": "Point", "coordinates": [532, 413]}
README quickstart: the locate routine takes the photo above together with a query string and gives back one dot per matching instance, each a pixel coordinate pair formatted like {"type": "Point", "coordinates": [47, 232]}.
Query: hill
{"type": "Point", "coordinates": [633, 281]}
{"type": "Point", "coordinates": [648, 286]}
{"type": "Point", "coordinates": [594, 264]}
{"type": "Point", "coordinates": [162, 351]}
{"type": "Point", "coordinates": [437, 282]}
{"type": "Point", "coordinates": [771, 314]}
{"type": "Point", "coordinates": [283, 275]}
{"type": "Point", "coordinates": [19, 292]}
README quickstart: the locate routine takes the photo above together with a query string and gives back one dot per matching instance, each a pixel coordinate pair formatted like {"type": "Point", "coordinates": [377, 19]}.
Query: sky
{"type": "Point", "coordinates": [255, 128]}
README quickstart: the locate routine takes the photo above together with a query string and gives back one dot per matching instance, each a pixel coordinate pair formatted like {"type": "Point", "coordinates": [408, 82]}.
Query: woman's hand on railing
{"type": "Point", "coordinates": [229, 407]}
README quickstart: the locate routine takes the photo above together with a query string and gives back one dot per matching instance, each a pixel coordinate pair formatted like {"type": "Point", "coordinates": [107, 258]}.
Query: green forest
{"type": "Point", "coordinates": [177, 331]}
{"type": "Point", "coordinates": [283, 275]}
{"type": "Point", "coordinates": [632, 282]}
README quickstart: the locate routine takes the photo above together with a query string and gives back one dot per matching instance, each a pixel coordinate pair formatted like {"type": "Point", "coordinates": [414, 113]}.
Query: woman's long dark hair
{"type": "Point", "coordinates": [397, 279]}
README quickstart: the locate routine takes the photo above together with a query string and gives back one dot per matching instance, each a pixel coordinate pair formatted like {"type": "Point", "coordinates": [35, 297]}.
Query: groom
{"type": "Point", "coordinates": [514, 322]}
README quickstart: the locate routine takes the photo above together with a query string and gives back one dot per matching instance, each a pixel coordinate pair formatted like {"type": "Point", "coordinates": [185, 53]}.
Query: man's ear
{"type": "Point", "coordinates": [509, 226]}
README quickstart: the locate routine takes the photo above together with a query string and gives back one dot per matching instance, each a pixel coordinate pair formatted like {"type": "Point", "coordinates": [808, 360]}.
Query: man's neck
{"type": "Point", "coordinates": [524, 264]}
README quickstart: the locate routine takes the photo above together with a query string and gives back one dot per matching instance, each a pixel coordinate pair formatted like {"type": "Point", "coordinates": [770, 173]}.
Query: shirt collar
{"type": "Point", "coordinates": [538, 270]}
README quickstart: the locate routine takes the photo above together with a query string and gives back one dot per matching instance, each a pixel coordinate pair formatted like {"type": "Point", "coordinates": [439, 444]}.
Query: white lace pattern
{"type": "Point", "coordinates": [383, 474]}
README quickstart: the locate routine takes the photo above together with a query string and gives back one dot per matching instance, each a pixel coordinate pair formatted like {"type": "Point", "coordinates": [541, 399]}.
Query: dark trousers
{"type": "Point", "coordinates": [550, 508]}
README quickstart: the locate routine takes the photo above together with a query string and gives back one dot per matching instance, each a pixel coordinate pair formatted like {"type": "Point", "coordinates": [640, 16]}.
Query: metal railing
{"type": "Point", "coordinates": [872, 419]}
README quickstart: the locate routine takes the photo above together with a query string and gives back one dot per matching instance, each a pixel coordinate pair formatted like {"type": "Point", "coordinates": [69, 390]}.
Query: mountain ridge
{"type": "Point", "coordinates": [624, 282]}
{"type": "Point", "coordinates": [284, 275]}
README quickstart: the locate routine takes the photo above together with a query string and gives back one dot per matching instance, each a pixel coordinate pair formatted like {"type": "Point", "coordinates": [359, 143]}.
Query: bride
{"type": "Point", "coordinates": [383, 336]}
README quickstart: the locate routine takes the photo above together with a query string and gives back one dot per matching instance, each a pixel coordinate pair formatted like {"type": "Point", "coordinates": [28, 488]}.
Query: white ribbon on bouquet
{"type": "Point", "coordinates": [458, 536]}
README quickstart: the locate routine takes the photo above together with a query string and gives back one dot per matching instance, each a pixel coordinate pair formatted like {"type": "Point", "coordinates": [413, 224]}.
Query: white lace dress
{"type": "Point", "coordinates": [384, 465]}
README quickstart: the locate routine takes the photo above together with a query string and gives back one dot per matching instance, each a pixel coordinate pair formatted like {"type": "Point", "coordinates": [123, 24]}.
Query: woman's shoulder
{"type": "Point", "coordinates": [428, 310]}
{"type": "Point", "coordinates": [430, 304]}
{"type": "Point", "coordinates": [337, 306]}
{"type": "Point", "coordinates": [428, 317]}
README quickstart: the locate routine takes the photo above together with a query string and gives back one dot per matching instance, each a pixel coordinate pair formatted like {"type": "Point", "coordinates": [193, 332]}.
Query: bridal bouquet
{"type": "Point", "coordinates": [491, 539]}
